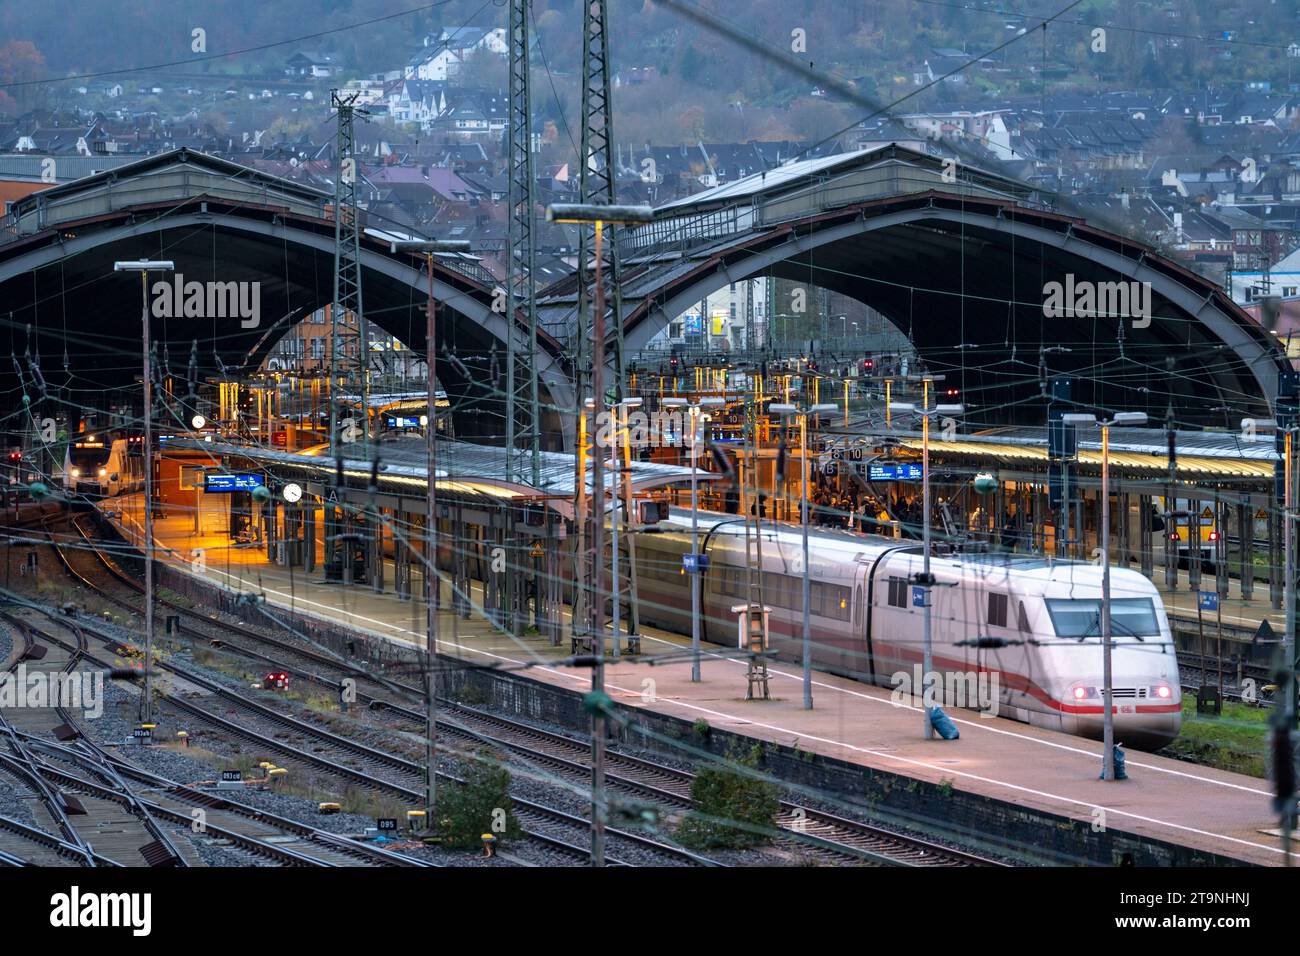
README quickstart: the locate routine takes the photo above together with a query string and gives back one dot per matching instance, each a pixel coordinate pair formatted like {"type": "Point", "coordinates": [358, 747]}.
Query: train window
{"type": "Point", "coordinates": [772, 590]}
{"type": "Point", "coordinates": [997, 609]}
{"type": "Point", "coordinates": [898, 592]}
{"type": "Point", "coordinates": [837, 602]}
{"type": "Point", "coordinates": [744, 583]}
{"type": "Point", "coordinates": [791, 592]}
{"type": "Point", "coordinates": [1081, 617]}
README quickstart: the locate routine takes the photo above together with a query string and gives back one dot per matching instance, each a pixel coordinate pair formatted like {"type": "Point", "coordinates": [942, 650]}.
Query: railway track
{"type": "Point", "coordinates": [37, 847]}
{"type": "Point", "coordinates": [73, 768]}
{"type": "Point", "coordinates": [340, 756]}
{"type": "Point", "coordinates": [159, 850]}
{"type": "Point", "coordinates": [825, 836]}
{"type": "Point", "coordinates": [23, 764]}
{"type": "Point", "coordinates": [1194, 669]}
{"type": "Point", "coordinates": [546, 825]}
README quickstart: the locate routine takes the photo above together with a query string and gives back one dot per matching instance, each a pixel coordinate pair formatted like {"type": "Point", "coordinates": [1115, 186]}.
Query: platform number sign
{"type": "Point", "coordinates": [1209, 600]}
{"type": "Point", "coordinates": [386, 825]}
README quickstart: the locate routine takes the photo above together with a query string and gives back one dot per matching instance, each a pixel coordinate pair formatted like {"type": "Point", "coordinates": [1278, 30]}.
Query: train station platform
{"type": "Point", "coordinates": [1238, 614]}
{"type": "Point", "coordinates": [1216, 811]}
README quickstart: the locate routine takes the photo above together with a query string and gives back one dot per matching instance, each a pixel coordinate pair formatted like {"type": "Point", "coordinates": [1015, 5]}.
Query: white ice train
{"type": "Point", "coordinates": [1042, 618]}
{"type": "Point", "coordinates": [99, 466]}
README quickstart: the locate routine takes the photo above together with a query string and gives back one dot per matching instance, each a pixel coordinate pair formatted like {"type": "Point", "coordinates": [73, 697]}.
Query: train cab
{"type": "Point", "coordinates": [100, 466]}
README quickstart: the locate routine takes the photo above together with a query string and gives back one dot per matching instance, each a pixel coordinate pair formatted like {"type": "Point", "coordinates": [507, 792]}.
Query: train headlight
{"type": "Point", "coordinates": [76, 473]}
{"type": "Point", "coordinates": [1162, 692]}
{"type": "Point", "coordinates": [1085, 693]}
{"type": "Point", "coordinates": [103, 472]}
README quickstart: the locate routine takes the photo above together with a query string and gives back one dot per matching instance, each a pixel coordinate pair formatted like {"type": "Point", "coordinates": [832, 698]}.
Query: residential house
{"type": "Point", "coordinates": [472, 113]}
{"type": "Point", "coordinates": [308, 63]}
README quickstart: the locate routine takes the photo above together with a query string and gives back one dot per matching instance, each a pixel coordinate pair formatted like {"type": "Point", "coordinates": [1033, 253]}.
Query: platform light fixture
{"type": "Point", "coordinates": [801, 412]}
{"type": "Point", "coordinates": [1108, 699]}
{"type": "Point", "coordinates": [695, 408]}
{"type": "Point", "coordinates": [926, 580]}
{"type": "Point", "coordinates": [620, 427]}
{"type": "Point", "coordinates": [144, 267]}
{"type": "Point", "coordinates": [429, 248]}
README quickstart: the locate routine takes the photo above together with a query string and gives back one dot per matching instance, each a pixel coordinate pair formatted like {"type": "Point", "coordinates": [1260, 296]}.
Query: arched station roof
{"type": "Point", "coordinates": [961, 260]}
{"type": "Point", "coordinates": [223, 222]}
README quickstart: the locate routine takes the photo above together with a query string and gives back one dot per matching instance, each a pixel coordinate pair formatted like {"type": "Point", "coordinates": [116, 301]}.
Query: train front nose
{"type": "Point", "coordinates": [1145, 718]}
{"type": "Point", "coordinates": [1145, 730]}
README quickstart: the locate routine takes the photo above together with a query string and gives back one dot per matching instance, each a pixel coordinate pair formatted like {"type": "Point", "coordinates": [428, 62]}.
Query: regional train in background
{"type": "Point", "coordinates": [1031, 620]}
{"type": "Point", "coordinates": [103, 466]}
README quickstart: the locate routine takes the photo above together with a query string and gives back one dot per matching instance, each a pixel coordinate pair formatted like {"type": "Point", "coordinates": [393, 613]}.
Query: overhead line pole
{"type": "Point", "coordinates": [598, 700]}
{"type": "Point", "coordinates": [347, 275]}
{"type": "Point", "coordinates": [144, 266]}
{"type": "Point", "coordinates": [428, 248]}
{"type": "Point", "coordinates": [521, 256]}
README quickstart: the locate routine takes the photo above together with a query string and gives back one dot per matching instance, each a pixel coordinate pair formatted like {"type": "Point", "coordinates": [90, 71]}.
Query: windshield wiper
{"type": "Point", "coordinates": [1128, 630]}
{"type": "Point", "coordinates": [1096, 624]}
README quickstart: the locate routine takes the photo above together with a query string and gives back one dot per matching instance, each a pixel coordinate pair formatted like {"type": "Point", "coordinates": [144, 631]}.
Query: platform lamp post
{"type": "Point", "coordinates": [926, 580]}
{"type": "Point", "coordinates": [597, 214]}
{"type": "Point", "coordinates": [621, 415]}
{"type": "Point", "coordinates": [694, 408]}
{"type": "Point", "coordinates": [144, 267]}
{"type": "Point", "coordinates": [428, 247]}
{"type": "Point", "coordinates": [801, 412]}
{"type": "Point", "coordinates": [1107, 691]}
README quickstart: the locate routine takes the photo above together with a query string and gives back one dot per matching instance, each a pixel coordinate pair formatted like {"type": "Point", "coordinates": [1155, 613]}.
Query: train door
{"type": "Point", "coordinates": [858, 662]}
{"type": "Point", "coordinates": [116, 469]}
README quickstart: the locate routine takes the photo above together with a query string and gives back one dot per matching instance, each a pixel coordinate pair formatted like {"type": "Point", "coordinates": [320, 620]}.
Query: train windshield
{"type": "Point", "coordinates": [1081, 617]}
{"type": "Point", "coordinates": [88, 456]}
